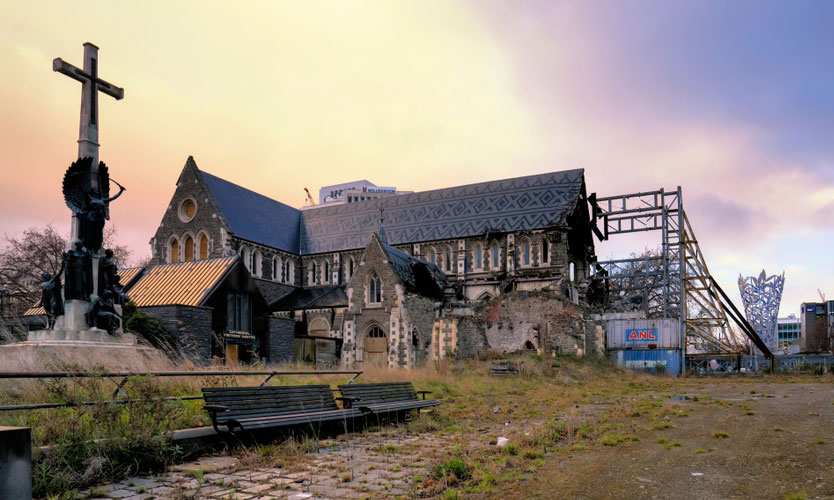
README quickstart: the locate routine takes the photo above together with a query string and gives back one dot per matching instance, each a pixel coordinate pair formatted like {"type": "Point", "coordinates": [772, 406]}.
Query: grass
{"type": "Point", "coordinates": [624, 407]}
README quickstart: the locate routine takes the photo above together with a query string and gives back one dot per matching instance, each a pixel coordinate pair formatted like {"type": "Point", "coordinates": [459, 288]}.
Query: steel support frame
{"type": "Point", "coordinates": [678, 276]}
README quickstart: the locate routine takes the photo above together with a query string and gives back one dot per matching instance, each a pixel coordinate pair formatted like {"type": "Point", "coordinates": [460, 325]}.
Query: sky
{"type": "Point", "coordinates": [732, 101]}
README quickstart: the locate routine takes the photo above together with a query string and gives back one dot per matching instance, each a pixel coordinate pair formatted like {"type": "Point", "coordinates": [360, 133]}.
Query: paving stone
{"type": "Point", "coordinates": [120, 493]}
{"type": "Point", "coordinates": [258, 488]}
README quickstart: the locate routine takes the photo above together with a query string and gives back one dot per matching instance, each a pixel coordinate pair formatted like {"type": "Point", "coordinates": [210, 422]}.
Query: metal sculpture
{"type": "Point", "coordinates": [761, 297]}
{"type": "Point", "coordinates": [87, 194]}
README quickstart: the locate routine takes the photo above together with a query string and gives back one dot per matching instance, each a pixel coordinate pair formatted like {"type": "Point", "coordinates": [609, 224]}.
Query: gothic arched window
{"type": "Point", "coordinates": [349, 269]}
{"type": "Point", "coordinates": [325, 272]}
{"type": "Point", "coordinates": [188, 249]}
{"type": "Point", "coordinates": [525, 252]}
{"type": "Point", "coordinates": [545, 247]}
{"type": "Point", "coordinates": [174, 253]}
{"type": "Point", "coordinates": [246, 256]}
{"type": "Point", "coordinates": [257, 262]}
{"type": "Point", "coordinates": [204, 247]}
{"type": "Point", "coordinates": [478, 261]}
{"type": "Point", "coordinates": [375, 290]}
{"type": "Point", "coordinates": [495, 263]}
{"type": "Point", "coordinates": [432, 256]}
{"type": "Point", "coordinates": [447, 259]}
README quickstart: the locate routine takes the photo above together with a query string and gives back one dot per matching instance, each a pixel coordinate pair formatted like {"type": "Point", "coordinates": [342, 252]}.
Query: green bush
{"type": "Point", "coordinates": [148, 328]}
{"type": "Point", "coordinates": [102, 442]}
{"type": "Point", "coordinates": [455, 468]}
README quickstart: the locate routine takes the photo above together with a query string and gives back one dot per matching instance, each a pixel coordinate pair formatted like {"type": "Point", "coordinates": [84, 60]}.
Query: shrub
{"type": "Point", "coordinates": [455, 468]}
{"type": "Point", "coordinates": [148, 328]}
{"type": "Point", "coordinates": [103, 442]}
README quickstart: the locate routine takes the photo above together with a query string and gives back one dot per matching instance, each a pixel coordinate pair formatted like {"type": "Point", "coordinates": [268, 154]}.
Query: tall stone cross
{"type": "Point", "coordinates": [91, 85]}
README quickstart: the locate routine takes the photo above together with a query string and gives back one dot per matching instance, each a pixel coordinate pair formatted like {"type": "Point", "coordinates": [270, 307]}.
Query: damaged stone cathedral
{"type": "Point", "coordinates": [388, 280]}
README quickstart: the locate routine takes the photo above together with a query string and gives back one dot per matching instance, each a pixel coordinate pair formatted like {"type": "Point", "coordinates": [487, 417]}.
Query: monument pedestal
{"type": "Point", "coordinates": [15, 463]}
{"type": "Point", "coordinates": [72, 327]}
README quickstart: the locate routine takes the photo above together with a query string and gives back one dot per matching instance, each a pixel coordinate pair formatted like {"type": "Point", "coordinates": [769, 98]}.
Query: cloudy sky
{"type": "Point", "coordinates": [733, 101]}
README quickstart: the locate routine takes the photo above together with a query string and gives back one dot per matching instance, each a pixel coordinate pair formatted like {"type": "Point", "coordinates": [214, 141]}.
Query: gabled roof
{"type": "Point", "coordinates": [183, 283]}
{"type": "Point", "coordinates": [255, 217]}
{"type": "Point", "coordinates": [315, 297]}
{"type": "Point", "coordinates": [531, 202]}
{"type": "Point", "coordinates": [417, 275]}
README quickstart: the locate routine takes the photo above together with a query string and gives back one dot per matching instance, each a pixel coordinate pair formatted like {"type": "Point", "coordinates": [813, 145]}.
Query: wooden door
{"type": "Point", "coordinates": [231, 355]}
{"type": "Point", "coordinates": [376, 351]}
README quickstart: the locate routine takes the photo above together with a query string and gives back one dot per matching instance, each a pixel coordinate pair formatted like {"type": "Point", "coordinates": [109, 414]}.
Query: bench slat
{"type": "Point", "coordinates": [271, 406]}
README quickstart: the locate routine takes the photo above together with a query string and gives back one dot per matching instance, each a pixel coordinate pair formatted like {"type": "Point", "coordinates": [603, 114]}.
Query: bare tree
{"type": "Point", "coordinates": [25, 258]}
{"type": "Point", "coordinates": [34, 252]}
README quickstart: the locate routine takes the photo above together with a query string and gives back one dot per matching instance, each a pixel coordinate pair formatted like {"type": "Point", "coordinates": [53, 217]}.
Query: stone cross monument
{"type": "Point", "coordinates": [91, 306]}
{"type": "Point", "coordinates": [91, 85]}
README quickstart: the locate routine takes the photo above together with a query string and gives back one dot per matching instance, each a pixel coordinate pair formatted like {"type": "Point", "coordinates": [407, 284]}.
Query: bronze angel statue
{"type": "Point", "coordinates": [87, 194]}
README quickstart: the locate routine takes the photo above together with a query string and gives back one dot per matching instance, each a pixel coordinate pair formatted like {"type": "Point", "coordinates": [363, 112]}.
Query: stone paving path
{"type": "Point", "coordinates": [364, 466]}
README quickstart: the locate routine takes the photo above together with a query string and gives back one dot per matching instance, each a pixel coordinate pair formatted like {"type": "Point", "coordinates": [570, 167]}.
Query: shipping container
{"type": "Point", "coordinates": [659, 361]}
{"type": "Point", "coordinates": [643, 334]}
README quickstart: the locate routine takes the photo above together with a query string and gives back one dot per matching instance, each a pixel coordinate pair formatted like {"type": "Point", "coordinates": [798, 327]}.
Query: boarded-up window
{"type": "Point", "coordinates": [189, 249]}
{"type": "Point", "coordinates": [204, 243]}
{"type": "Point", "coordinates": [175, 251]}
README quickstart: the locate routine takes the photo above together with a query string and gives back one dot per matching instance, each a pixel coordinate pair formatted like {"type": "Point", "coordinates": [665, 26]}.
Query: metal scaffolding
{"type": "Point", "coordinates": [674, 284]}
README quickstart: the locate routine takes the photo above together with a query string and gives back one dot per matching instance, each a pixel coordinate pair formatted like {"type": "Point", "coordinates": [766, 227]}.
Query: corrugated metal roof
{"type": "Point", "coordinates": [255, 217]}
{"type": "Point", "coordinates": [127, 275]}
{"type": "Point", "coordinates": [35, 311]}
{"type": "Point", "coordinates": [184, 283]}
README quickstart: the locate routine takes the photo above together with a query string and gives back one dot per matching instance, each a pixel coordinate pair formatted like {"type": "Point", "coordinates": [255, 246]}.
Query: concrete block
{"type": "Point", "coordinates": [15, 463]}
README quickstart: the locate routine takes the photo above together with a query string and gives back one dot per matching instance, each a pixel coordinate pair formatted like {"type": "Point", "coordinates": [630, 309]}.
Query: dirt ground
{"type": "Point", "coordinates": [779, 444]}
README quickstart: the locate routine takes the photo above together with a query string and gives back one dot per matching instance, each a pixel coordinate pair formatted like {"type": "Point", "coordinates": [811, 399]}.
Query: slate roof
{"type": "Point", "coordinates": [530, 202]}
{"type": "Point", "coordinates": [416, 274]}
{"type": "Point", "coordinates": [255, 217]}
{"type": "Point", "coordinates": [183, 283]}
{"type": "Point", "coordinates": [315, 297]}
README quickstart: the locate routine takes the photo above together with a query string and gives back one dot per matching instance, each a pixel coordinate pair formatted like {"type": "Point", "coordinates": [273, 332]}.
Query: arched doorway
{"type": "Point", "coordinates": [376, 347]}
{"type": "Point", "coordinates": [319, 327]}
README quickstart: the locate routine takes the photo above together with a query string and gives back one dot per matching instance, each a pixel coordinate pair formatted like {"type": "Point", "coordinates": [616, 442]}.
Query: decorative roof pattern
{"type": "Point", "coordinates": [184, 283]}
{"type": "Point", "coordinates": [530, 202]}
{"type": "Point", "coordinates": [255, 217]}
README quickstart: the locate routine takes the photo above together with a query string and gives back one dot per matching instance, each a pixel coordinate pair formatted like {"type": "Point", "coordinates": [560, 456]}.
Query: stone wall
{"type": "Point", "coordinates": [420, 316]}
{"type": "Point", "coordinates": [543, 320]}
{"type": "Point", "coordinates": [207, 219]}
{"type": "Point", "coordinates": [472, 340]}
{"type": "Point", "coordinates": [280, 341]}
{"type": "Point", "coordinates": [444, 338]}
{"type": "Point", "coordinates": [190, 328]}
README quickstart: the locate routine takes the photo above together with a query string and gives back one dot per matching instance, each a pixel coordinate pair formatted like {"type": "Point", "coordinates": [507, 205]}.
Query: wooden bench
{"type": "Point", "coordinates": [245, 408]}
{"type": "Point", "coordinates": [384, 398]}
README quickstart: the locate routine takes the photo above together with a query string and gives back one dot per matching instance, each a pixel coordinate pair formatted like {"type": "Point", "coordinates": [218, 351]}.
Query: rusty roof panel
{"type": "Point", "coordinates": [184, 283]}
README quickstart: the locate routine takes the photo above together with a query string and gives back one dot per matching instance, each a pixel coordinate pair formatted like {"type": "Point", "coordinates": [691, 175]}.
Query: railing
{"type": "Point", "coordinates": [125, 376]}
